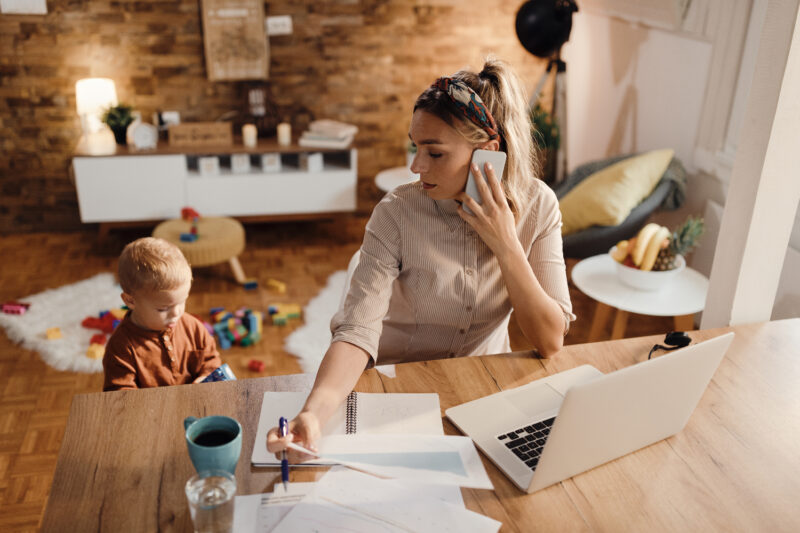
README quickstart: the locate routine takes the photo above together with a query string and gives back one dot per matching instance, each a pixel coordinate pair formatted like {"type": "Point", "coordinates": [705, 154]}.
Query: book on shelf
{"type": "Point", "coordinates": [361, 413]}
{"type": "Point", "coordinates": [315, 141]}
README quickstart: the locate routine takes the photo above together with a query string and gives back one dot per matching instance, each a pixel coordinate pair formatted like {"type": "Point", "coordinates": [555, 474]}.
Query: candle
{"type": "Point", "coordinates": [249, 135]}
{"type": "Point", "coordinates": [284, 134]}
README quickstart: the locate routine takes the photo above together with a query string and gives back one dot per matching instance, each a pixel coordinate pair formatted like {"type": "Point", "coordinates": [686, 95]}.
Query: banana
{"type": "Point", "coordinates": [653, 247]}
{"type": "Point", "coordinates": [620, 252]}
{"type": "Point", "coordinates": [641, 242]}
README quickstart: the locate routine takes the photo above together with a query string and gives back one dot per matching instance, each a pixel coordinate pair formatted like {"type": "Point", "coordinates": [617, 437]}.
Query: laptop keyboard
{"type": "Point", "coordinates": [527, 442]}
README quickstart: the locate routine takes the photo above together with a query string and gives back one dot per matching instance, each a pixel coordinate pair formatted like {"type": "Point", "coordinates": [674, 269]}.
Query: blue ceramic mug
{"type": "Point", "coordinates": [214, 442]}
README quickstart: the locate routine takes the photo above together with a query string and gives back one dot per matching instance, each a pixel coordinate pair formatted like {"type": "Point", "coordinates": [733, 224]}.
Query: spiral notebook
{"type": "Point", "coordinates": [361, 413]}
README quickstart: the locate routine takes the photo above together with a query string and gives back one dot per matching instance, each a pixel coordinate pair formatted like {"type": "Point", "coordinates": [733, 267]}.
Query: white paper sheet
{"type": "Point", "coordinates": [355, 502]}
{"type": "Point", "coordinates": [445, 460]}
{"type": "Point", "coordinates": [260, 513]}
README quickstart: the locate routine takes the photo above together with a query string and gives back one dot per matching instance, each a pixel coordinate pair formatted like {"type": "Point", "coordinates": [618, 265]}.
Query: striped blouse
{"type": "Point", "coordinates": [427, 287]}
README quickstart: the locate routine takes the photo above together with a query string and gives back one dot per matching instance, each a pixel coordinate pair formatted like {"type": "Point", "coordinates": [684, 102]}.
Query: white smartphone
{"type": "Point", "coordinates": [480, 158]}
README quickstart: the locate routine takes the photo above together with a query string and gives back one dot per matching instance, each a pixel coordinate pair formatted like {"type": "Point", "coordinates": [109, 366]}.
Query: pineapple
{"type": "Point", "coordinates": [681, 242]}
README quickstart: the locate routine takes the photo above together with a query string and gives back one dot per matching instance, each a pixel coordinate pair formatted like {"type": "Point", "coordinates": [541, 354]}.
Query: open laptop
{"type": "Point", "coordinates": [559, 426]}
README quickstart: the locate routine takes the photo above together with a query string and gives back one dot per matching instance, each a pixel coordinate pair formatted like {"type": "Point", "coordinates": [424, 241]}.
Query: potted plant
{"type": "Point", "coordinates": [118, 118]}
{"type": "Point", "coordinates": [547, 138]}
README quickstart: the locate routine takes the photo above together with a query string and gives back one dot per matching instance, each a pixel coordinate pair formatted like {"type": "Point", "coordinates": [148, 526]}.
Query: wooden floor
{"type": "Point", "coordinates": [35, 399]}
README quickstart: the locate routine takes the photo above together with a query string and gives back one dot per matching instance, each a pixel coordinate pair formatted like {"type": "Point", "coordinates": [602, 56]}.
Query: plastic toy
{"type": "Point", "coordinates": [250, 284]}
{"type": "Point", "coordinates": [95, 351]}
{"type": "Point", "coordinates": [188, 237]}
{"type": "Point", "coordinates": [277, 286]}
{"type": "Point", "coordinates": [255, 365]}
{"type": "Point", "coordinates": [243, 327]}
{"type": "Point", "coordinates": [223, 373]}
{"type": "Point", "coordinates": [98, 339]}
{"type": "Point", "coordinates": [15, 308]}
{"type": "Point", "coordinates": [53, 333]}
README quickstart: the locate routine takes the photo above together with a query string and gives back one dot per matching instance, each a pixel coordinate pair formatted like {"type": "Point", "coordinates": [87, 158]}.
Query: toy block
{"type": "Point", "coordinates": [101, 314]}
{"type": "Point", "coordinates": [188, 237]}
{"type": "Point", "coordinates": [224, 343]}
{"type": "Point", "coordinates": [250, 284]}
{"type": "Point", "coordinates": [231, 336]}
{"type": "Point", "coordinates": [53, 333]}
{"type": "Point", "coordinates": [292, 310]}
{"type": "Point", "coordinates": [115, 323]}
{"type": "Point", "coordinates": [255, 365]}
{"type": "Point", "coordinates": [222, 316]}
{"type": "Point", "coordinates": [252, 323]}
{"type": "Point", "coordinates": [118, 313]}
{"type": "Point", "coordinates": [277, 286]}
{"type": "Point", "coordinates": [241, 331]}
{"type": "Point", "coordinates": [272, 309]}
{"type": "Point", "coordinates": [13, 308]}
{"type": "Point", "coordinates": [255, 336]}
{"type": "Point", "coordinates": [246, 341]}
{"type": "Point", "coordinates": [220, 327]}
{"type": "Point", "coordinates": [95, 351]}
{"type": "Point", "coordinates": [215, 310]}
{"type": "Point", "coordinates": [279, 320]}
{"type": "Point", "coordinates": [187, 213]}
{"type": "Point", "coordinates": [98, 339]}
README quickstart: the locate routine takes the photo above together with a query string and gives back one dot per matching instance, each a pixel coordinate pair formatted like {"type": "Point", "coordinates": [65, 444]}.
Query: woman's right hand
{"type": "Point", "coordinates": [304, 430]}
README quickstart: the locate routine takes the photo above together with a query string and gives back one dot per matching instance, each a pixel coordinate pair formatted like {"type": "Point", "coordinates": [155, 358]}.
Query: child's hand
{"type": "Point", "coordinates": [201, 377]}
{"type": "Point", "coordinates": [303, 430]}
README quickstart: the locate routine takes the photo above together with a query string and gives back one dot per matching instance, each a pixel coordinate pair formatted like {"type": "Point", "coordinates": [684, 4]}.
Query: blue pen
{"type": "Point", "coordinates": [283, 424]}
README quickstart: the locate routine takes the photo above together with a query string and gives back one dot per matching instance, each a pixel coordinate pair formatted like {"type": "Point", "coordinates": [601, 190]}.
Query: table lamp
{"type": "Point", "coordinates": [92, 97]}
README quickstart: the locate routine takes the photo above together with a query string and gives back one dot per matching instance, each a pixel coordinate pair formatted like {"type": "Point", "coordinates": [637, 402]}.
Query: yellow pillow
{"type": "Point", "coordinates": [607, 197]}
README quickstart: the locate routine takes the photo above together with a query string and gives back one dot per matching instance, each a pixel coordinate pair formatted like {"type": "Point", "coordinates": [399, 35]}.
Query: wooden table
{"type": "Point", "coordinates": [735, 467]}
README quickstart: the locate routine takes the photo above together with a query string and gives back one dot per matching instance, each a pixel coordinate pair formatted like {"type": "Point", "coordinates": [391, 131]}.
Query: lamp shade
{"type": "Point", "coordinates": [92, 96]}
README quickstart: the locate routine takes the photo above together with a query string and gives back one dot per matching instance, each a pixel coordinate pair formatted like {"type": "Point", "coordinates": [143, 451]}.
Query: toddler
{"type": "Point", "coordinates": [156, 343]}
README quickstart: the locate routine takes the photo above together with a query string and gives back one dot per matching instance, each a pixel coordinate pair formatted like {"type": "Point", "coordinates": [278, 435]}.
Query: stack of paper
{"type": "Point", "coordinates": [328, 134]}
{"type": "Point", "coordinates": [345, 500]}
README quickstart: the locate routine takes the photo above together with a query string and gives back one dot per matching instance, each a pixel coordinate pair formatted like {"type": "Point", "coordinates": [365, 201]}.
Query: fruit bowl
{"type": "Point", "coordinates": [650, 280]}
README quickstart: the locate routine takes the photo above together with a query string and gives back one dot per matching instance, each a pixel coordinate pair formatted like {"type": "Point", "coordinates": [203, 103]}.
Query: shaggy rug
{"type": "Point", "coordinates": [310, 341]}
{"type": "Point", "coordinates": [64, 308]}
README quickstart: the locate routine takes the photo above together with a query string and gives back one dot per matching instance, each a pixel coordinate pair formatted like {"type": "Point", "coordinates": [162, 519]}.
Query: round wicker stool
{"type": "Point", "coordinates": [219, 239]}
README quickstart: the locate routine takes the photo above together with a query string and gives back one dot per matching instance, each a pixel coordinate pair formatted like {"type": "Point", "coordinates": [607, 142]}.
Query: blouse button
{"type": "Point", "coordinates": [462, 331]}
{"type": "Point", "coordinates": [469, 271]}
{"type": "Point", "coordinates": [469, 308]}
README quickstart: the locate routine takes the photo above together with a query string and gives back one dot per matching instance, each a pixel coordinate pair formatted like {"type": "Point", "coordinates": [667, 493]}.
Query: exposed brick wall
{"type": "Point", "coordinates": [362, 62]}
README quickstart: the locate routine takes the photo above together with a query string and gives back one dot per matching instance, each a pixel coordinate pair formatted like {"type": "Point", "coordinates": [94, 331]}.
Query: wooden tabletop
{"type": "Point", "coordinates": [735, 467]}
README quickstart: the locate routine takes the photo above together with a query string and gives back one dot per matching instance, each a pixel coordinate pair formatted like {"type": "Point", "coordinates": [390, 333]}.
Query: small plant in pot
{"type": "Point", "coordinates": [118, 118]}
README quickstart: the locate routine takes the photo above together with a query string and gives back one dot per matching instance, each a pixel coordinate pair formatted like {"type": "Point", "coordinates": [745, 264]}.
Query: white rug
{"type": "Point", "coordinates": [310, 341]}
{"type": "Point", "coordinates": [65, 308]}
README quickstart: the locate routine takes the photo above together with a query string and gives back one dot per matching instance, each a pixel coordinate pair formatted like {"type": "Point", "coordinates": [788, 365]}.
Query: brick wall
{"type": "Point", "coordinates": [362, 62]}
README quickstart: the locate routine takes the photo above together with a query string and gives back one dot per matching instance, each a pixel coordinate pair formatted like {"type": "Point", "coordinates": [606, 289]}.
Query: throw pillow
{"type": "Point", "coordinates": [606, 197]}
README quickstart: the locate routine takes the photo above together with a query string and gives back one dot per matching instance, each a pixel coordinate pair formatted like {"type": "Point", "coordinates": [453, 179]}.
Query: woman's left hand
{"type": "Point", "coordinates": [493, 219]}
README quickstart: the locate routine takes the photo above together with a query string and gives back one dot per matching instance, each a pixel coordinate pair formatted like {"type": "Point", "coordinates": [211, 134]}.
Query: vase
{"type": "Point", "coordinates": [120, 135]}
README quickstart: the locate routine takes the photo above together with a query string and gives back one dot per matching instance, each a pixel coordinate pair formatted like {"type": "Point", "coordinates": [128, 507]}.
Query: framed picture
{"type": "Point", "coordinates": [235, 40]}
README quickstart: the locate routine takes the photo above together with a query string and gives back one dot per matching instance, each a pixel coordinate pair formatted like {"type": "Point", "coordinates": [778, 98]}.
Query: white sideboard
{"type": "Point", "coordinates": [134, 186]}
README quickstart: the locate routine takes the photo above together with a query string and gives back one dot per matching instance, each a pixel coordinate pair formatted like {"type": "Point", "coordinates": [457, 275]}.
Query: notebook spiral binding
{"type": "Point", "coordinates": [351, 414]}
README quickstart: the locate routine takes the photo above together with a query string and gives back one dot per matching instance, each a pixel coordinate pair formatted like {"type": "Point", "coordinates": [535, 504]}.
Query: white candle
{"type": "Point", "coordinates": [249, 135]}
{"type": "Point", "coordinates": [284, 134]}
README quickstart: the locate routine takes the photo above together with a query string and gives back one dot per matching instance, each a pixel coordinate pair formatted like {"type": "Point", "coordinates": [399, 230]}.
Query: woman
{"type": "Point", "coordinates": [435, 281]}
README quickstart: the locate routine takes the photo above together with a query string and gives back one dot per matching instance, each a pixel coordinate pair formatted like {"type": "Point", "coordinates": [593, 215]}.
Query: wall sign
{"type": "Point", "coordinates": [235, 41]}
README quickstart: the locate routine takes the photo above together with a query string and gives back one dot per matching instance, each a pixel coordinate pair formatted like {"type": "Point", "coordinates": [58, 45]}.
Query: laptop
{"type": "Point", "coordinates": [559, 426]}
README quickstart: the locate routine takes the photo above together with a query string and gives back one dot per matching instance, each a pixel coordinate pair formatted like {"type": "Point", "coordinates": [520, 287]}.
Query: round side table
{"type": "Point", "coordinates": [220, 239]}
{"type": "Point", "coordinates": [388, 179]}
{"type": "Point", "coordinates": [596, 277]}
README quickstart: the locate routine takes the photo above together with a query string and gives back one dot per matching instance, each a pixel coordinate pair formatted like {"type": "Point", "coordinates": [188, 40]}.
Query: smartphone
{"type": "Point", "coordinates": [480, 158]}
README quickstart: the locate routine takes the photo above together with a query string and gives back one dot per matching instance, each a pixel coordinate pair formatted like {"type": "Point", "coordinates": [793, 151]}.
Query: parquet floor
{"type": "Point", "coordinates": [35, 399]}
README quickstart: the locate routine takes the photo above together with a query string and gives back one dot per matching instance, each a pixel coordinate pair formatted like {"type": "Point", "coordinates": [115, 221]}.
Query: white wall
{"type": "Point", "coordinates": [632, 88]}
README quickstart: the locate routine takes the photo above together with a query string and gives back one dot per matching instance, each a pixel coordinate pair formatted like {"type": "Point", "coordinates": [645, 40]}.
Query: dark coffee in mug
{"type": "Point", "coordinates": [214, 437]}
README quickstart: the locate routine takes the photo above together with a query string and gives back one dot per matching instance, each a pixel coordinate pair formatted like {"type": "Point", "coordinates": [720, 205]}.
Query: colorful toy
{"type": "Point", "coordinates": [187, 213]}
{"type": "Point", "coordinates": [223, 373]}
{"type": "Point", "coordinates": [250, 284]}
{"type": "Point", "coordinates": [281, 313]}
{"type": "Point", "coordinates": [277, 286]}
{"type": "Point", "coordinates": [53, 333]}
{"type": "Point", "coordinates": [98, 339]}
{"type": "Point", "coordinates": [95, 351]}
{"type": "Point", "coordinates": [15, 308]}
{"type": "Point", "coordinates": [243, 327]}
{"type": "Point", "coordinates": [255, 365]}
{"type": "Point", "coordinates": [188, 237]}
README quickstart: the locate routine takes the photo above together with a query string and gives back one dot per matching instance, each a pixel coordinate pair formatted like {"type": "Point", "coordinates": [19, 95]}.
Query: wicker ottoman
{"type": "Point", "coordinates": [220, 239]}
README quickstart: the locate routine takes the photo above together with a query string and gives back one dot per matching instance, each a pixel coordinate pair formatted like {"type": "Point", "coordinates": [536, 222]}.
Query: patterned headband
{"type": "Point", "coordinates": [469, 103]}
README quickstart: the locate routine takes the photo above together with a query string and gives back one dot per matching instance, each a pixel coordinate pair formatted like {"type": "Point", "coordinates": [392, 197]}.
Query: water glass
{"type": "Point", "coordinates": [211, 500]}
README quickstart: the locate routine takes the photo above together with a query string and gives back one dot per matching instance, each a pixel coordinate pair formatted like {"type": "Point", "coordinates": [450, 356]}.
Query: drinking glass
{"type": "Point", "coordinates": [211, 500]}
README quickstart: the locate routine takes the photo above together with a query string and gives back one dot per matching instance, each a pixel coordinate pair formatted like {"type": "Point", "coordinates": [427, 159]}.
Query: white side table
{"type": "Point", "coordinates": [388, 179]}
{"type": "Point", "coordinates": [597, 278]}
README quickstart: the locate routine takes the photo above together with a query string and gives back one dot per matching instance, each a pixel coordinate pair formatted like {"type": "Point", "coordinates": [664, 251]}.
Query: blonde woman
{"type": "Point", "coordinates": [434, 281]}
